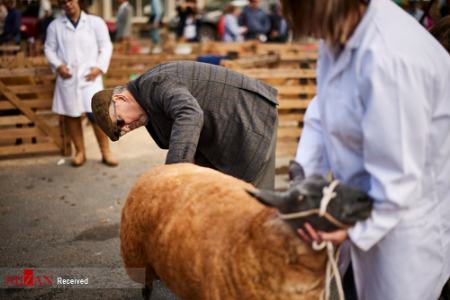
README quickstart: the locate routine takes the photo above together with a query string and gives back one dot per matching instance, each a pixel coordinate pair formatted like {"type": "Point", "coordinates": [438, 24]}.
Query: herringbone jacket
{"type": "Point", "coordinates": [203, 112]}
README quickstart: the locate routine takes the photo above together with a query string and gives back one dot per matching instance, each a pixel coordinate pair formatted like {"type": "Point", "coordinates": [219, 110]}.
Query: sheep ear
{"type": "Point", "coordinates": [296, 172]}
{"type": "Point", "coordinates": [269, 198]}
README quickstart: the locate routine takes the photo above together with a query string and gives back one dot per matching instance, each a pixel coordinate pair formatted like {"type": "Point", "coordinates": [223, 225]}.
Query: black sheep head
{"type": "Point", "coordinates": [304, 194]}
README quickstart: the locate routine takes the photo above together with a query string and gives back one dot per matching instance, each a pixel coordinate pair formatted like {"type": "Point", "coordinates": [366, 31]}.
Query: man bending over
{"type": "Point", "coordinates": [204, 114]}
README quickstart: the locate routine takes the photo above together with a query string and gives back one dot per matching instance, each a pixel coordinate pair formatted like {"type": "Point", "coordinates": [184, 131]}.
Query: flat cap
{"type": "Point", "coordinates": [100, 108]}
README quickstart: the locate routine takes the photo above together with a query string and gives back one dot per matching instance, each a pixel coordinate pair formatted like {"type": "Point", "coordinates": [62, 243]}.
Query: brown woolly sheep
{"type": "Point", "coordinates": [201, 233]}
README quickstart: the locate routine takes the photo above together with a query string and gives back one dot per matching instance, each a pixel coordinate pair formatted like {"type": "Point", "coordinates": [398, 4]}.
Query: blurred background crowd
{"type": "Point", "coordinates": [25, 21]}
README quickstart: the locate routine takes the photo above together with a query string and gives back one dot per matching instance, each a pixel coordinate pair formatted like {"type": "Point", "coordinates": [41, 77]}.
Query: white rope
{"type": "Point", "coordinates": [332, 270]}
{"type": "Point", "coordinates": [327, 194]}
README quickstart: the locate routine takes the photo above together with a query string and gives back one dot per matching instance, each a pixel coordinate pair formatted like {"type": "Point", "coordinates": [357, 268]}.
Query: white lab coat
{"type": "Point", "coordinates": [381, 123]}
{"type": "Point", "coordinates": [81, 48]}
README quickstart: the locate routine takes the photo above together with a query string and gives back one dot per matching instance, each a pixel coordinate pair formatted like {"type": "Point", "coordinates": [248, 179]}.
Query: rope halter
{"type": "Point", "coordinates": [328, 194]}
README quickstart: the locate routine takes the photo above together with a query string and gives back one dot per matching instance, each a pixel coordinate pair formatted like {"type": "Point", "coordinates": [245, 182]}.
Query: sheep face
{"type": "Point", "coordinates": [305, 194]}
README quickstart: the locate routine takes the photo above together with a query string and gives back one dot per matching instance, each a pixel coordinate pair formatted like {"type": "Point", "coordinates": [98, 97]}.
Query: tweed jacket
{"type": "Point", "coordinates": [206, 113]}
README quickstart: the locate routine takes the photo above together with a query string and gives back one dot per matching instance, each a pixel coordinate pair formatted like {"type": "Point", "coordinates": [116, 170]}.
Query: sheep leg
{"type": "Point", "coordinates": [147, 291]}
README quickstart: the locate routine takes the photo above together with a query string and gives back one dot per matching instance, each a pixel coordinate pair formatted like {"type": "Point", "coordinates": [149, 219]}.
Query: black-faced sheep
{"type": "Point", "coordinates": [201, 233]}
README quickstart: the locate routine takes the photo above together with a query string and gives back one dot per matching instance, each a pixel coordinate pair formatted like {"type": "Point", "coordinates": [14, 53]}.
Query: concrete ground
{"type": "Point", "coordinates": [56, 217]}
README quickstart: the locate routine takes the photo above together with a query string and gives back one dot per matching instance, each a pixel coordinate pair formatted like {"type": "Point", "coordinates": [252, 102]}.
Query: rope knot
{"type": "Point", "coordinates": [328, 193]}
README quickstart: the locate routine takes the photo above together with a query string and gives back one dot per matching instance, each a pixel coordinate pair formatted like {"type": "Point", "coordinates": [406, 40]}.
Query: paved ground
{"type": "Point", "coordinates": [57, 216]}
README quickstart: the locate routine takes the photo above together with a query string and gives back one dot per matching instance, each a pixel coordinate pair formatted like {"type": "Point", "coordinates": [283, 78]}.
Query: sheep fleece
{"type": "Point", "coordinates": [200, 232]}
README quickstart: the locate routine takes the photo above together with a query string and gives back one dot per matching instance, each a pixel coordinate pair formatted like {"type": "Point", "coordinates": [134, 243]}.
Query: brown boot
{"type": "Point", "coordinates": [103, 143]}
{"type": "Point", "coordinates": [76, 134]}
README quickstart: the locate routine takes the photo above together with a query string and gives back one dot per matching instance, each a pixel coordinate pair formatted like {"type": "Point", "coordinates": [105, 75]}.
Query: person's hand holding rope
{"type": "Point", "coordinates": [309, 234]}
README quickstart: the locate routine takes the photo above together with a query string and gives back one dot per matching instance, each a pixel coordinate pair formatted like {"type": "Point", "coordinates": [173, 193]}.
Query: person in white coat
{"type": "Point", "coordinates": [79, 50]}
{"type": "Point", "coordinates": [380, 122]}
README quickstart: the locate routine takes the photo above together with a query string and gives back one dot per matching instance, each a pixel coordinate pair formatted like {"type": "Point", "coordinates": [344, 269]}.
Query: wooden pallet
{"type": "Point", "coordinates": [27, 125]}
{"type": "Point", "coordinates": [259, 61]}
{"type": "Point", "coordinates": [296, 88]}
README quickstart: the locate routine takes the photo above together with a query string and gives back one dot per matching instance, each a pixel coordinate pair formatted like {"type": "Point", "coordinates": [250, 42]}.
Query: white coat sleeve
{"type": "Point", "coordinates": [105, 46]}
{"type": "Point", "coordinates": [395, 127]}
{"type": "Point", "coordinates": [51, 47]}
{"type": "Point", "coordinates": [311, 149]}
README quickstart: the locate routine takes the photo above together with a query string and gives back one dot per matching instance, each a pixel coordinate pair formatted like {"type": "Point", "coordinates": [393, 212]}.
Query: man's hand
{"type": "Point", "coordinates": [309, 234]}
{"type": "Point", "coordinates": [63, 71]}
{"type": "Point", "coordinates": [93, 74]}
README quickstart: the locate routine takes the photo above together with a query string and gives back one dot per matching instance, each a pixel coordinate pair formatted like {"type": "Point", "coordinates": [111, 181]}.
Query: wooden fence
{"type": "Point", "coordinates": [296, 88]}
{"type": "Point", "coordinates": [27, 125]}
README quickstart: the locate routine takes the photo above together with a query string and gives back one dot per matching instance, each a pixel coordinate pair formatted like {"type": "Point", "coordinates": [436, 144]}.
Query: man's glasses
{"type": "Point", "coordinates": [119, 122]}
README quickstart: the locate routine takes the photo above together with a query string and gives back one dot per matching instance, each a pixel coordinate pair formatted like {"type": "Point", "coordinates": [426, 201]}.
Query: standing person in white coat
{"type": "Point", "coordinates": [380, 122]}
{"type": "Point", "coordinates": [79, 49]}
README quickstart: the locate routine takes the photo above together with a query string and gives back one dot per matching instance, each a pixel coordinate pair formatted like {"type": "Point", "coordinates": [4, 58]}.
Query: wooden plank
{"type": "Point", "coordinates": [9, 48]}
{"type": "Point", "coordinates": [297, 57]}
{"type": "Point", "coordinates": [31, 88]}
{"type": "Point", "coordinates": [296, 90]}
{"type": "Point", "coordinates": [124, 71]}
{"type": "Point", "coordinates": [24, 140]}
{"type": "Point", "coordinates": [282, 123]}
{"type": "Point", "coordinates": [114, 82]}
{"type": "Point", "coordinates": [13, 120]}
{"type": "Point", "coordinates": [23, 72]}
{"type": "Point", "coordinates": [221, 48]}
{"type": "Point", "coordinates": [29, 149]}
{"type": "Point", "coordinates": [288, 46]}
{"type": "Point", "coordinates": [262, 74]}
{"type": "Point", "coordinates": [286, 149]}
{"type": "Point", "coordinates": [251, 62]}
{"type": "Point", "coordinates": [289, 132]}
{"type": "Point", "coordinates": [295, 117]}
{"type": "Point", "coordinates": [26, 110]}
{"type": "Point", "coordinates": [34, 104]}
{"type": "Point", "coordinates": [293, 104]}
{"type": "Point", "coordinates": [148, 59]}
{"type": "Point", "coordinates": [23, 132]}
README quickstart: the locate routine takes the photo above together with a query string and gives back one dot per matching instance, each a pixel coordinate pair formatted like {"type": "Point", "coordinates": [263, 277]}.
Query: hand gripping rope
{"type": "Point", "coordinates": [331, 268]}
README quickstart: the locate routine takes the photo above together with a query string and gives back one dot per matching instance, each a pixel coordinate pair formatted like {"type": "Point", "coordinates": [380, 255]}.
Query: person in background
{"type": "Point", "coordinates": [123, 21]}
{"type": "Point", "coordinates": [414, 9]}
{"type": "Point", "coordinates": [279, 30]}
{"type": "Point", "coordinates": [78, 49]}
{"type": "Point", "coordinates": [189, 25]}
{"type": "Point", "coordinates": [380, 122]}
{"type": "Point", "coordinates": [11, 30]}
{"type": "Point", "coordinates": [3, 14]}
{"type": "Point", "coordinates": [155, 24]}
{"type": "Point", "coordinates": [45, 18]}
{"type": "Point", "coordinates": [45, 8]}
{"type": "Point", "coordinates": [232, 31]}
{"type": "Point", "coordinates": [256, 21]}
